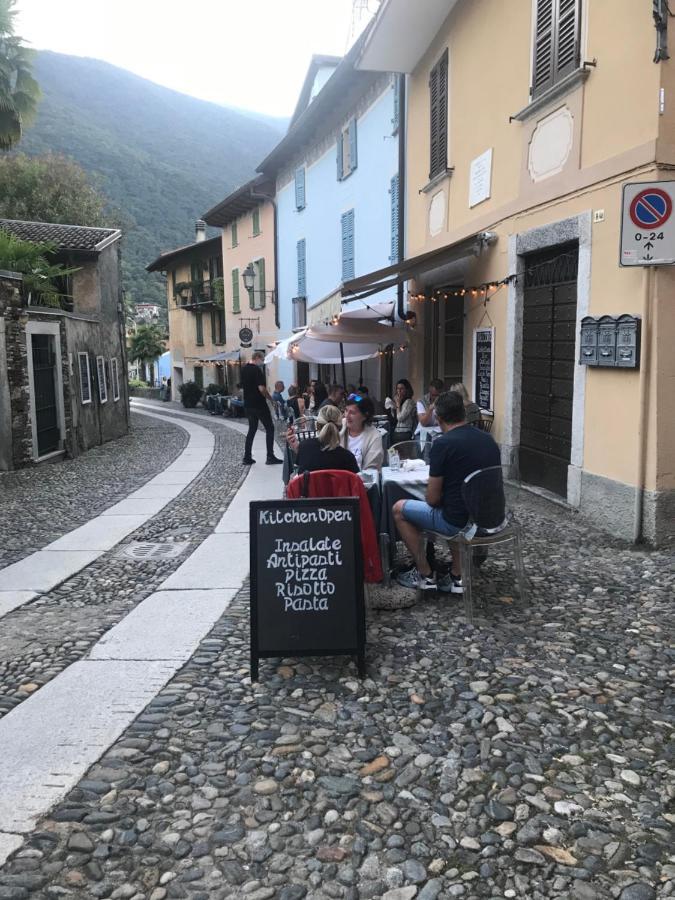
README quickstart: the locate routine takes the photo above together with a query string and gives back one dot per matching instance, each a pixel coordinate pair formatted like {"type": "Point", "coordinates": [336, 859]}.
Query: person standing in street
{"type": "Point", "coordinates": [256, 396]}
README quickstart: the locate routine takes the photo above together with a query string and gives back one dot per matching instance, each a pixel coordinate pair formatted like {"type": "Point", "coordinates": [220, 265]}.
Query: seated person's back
{"type": "Point", "coordinates": [324, 451]}
{"type": "Point", "coordinates": [454, 456]}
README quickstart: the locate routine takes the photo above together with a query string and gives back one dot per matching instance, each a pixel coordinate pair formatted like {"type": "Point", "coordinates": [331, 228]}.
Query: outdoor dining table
{"type": "Point", "coordinates": [398, 484]}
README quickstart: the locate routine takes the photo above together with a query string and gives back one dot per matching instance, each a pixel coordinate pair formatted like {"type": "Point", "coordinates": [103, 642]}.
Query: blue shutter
{"type": "Point", "coordinates": [348, 245]}
{"type": "Point", "coordinates": [339, 157]}
{"type": "Point", "coordinates": [302, 269]}
{"type": "Point", "coordinates": [393, 190]}
{"type": "Point", "coordinates": [352, 145]}
{"type": "Point", "coordinates": [300, 188]}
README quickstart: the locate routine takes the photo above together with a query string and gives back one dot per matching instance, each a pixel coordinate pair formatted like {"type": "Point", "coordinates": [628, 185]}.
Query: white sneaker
{"type": "Point", "coordinates": [413, 579]}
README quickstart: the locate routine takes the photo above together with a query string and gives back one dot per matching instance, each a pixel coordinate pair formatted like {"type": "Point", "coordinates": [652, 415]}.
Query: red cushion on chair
{"type": "Point", "coordinates": [337, 483]}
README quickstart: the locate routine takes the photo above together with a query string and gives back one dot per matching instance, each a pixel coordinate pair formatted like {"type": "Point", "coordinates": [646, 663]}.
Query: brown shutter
{"type": "Point", "coordinates": [438, 105]}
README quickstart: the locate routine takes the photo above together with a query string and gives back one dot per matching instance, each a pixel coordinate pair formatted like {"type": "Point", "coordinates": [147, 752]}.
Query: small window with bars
{"type": "Point", "coordinates": [102, 380]}
{"type": "Point", "coordinates": [115, 379]}
{"type": "Point", "coordinates": [557, 44]}
{"type": "Point", "coordinates": [85, 378]}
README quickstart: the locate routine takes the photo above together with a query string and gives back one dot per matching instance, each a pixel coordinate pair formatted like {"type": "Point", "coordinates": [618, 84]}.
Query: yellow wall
{"type": "Point", "coordinates": [616, 126]}
{"type": "Point", "coordinates": [249, 249]}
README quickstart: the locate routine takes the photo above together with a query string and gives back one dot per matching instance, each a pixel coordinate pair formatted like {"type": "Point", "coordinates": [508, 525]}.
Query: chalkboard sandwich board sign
{"type": "Point", "coordinates": [306, 580]}
{"type": "Point", "coordinates": [484, 368]}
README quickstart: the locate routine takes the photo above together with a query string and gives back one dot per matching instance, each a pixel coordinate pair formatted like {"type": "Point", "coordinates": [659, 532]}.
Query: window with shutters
{"type": "Point", "coordinates": [300, 188]}
{"type": "Point", "coordinates": [256, 297]}
{"type": "Point", "coordinates": [347, 156]}
{"type": "Point", "coordinates": [348, 245]}
{"type": "Point", "coordinates": [219, 326]}
{"type": "Point", "coordinates": [302, 268]}
{"type": "Point", "coordinates": [199, 376]}
{"type": "Point", "coordinates": [115, 379]}
{"type": "Point", "coordinates": [199, 327]}
{"type": "Point", "coordinates": [102, 380]}
{"type": "Point", "coordinates": [394, 193]}
{"type": "Point", "coordinates": [556, 51]}
{"type": "Point", "coordinates": [438, 107]}
{"type": "Point", "coordinates": [85, 378]}
{"type": "Point", "coordinates": [235, 291]}
{"type": "Point", "coordinates": [299, 312]}
{"type": "Point", "coordinates": [233, 232]}
{"type": "Point", "coordinates": [255, 222]}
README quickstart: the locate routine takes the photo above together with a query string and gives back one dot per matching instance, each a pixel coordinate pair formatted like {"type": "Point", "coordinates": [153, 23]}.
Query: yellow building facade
{"type": "Point", "coordinates": [247, 220]}
{"type": "Point", "coordinates": [197, 326]}
{"type": "Point", "coordinates": [524, 121]}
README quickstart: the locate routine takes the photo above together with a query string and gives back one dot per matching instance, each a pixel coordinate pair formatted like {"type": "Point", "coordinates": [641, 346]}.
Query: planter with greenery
{"type": "Point", "coordinates": [190, 394]}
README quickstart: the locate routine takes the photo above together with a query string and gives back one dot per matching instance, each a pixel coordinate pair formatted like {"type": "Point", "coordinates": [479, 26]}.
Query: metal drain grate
{"type": "Point", "coordinates": [142, 550]}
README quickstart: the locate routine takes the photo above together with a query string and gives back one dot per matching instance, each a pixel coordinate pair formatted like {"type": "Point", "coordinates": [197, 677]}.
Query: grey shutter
{"type": "Point", "coordinates": [393, 190]}
{"type": "Point", "coordinates": [261, 284]}
{"type": "Point", "coordinates": [348, 245]}
{"type": "Point", "coordinates": [353, 160]}
{"type": "Point", "coordinates": [300, 188]}
{"type": "Point", "coordinates": [438, 102]}
{"type": "Point", "coordinates": [302, 268]}
{"type": "Point", "coordinates": [544, 42]}
{"type": "Point", "coordinates": [340, 161]}
{"type": "Point", "coordinates": [397, 113]}
{"type": "Point", "coordinates": [567, 57]}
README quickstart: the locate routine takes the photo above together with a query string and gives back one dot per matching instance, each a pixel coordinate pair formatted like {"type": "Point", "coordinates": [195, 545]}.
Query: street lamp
{"type": "Point", "coordinates": [248, 276]}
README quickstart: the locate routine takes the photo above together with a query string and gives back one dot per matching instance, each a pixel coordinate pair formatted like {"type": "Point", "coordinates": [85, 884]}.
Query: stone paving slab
{"type": "Point", "coordinates": [8, 844]}
{"type": "Point", "coordinates": [154, 491]}
{"type": "Point", "coordinates": [221, 561]}
{"type": "Point", "coordinates": [49, 742]}
{"type": "Point", "coordinates": [137, 506]}
{"type": "Point", "coordinates": [10, 600]}
{"type": "Point", "coordinates": [166, 625]}
{"type": "Point", "coordinates": [102, 533]}
{"type": "Point", "coordinates": [45, 569]}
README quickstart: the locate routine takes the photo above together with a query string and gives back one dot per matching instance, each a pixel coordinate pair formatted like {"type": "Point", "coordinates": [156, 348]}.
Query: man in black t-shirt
{"type": "Point", "coordinates": [256, 396]}
{"type": "Point", "coordinates": [461, 450]}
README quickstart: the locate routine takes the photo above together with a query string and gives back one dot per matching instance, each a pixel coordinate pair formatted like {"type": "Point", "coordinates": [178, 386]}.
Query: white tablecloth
{"type": "Point", "coordinates": [413, 480]}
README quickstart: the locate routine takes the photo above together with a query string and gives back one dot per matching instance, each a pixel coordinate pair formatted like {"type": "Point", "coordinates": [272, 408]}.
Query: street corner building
{"type": "Point", "coordinates": [63, 386]}
{"type": "Point", "coordinates": [524, 122]}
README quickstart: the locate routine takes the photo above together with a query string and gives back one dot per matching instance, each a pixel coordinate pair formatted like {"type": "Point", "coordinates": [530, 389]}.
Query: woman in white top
{"type": "Point", "coordinates": [359, 436]}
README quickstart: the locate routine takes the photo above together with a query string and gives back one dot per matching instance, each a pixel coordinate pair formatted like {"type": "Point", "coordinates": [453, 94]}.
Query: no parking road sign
{"type": "Point", "coordinates": [648, 224]}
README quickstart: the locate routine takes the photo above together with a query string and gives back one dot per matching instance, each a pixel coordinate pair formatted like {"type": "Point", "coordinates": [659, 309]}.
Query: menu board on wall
{"type": "Point", "coordinates": [484, 368]}
{"type": "Point", "coordinates": [306, 579]}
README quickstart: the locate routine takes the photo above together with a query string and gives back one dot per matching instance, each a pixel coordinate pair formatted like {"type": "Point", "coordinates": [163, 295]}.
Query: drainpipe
{"type": "Point", "coordinates": [402, 123]}
{"type": "Point", "coordinates": [643, 422]}
{"type": "Point", "coordinates": [271, 200]}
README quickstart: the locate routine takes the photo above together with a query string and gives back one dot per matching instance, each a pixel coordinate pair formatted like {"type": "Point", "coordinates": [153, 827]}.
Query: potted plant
{"type": "Point", "coordinates": [190, 394]}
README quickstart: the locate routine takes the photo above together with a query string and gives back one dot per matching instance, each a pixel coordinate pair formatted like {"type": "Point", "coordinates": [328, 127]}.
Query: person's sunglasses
{"type": "Point", "coordinates": [357, 398]}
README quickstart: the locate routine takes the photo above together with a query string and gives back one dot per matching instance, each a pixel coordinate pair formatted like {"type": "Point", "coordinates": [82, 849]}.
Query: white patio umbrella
{"type": "Point", "coordinates": [302, 348]}
{"type": "Point", "coordinates": [359, 309]}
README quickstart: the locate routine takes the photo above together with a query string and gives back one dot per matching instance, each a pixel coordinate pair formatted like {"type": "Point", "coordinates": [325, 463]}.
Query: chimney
{"type": "Point", "coordinates": [200, 230]}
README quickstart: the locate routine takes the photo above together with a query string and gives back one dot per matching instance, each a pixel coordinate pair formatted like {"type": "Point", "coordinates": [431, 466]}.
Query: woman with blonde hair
{"type": "Point", "coordinates": [324, 451]}
{"type": "Point", "coordinates": [471, 409]}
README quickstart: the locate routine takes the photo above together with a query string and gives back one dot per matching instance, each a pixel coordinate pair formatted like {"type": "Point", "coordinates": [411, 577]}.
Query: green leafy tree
{"type": "Point", "coordinates": [146, 345]}
{"type": "Point", "coordinates": [19, 91]}
{"type": "Point", "coordinates": [49, 188]}
{"type": "Point", "coordinates": [43, 279]}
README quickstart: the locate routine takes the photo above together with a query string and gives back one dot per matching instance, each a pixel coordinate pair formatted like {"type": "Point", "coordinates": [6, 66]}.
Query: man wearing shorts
{"type": "Point", "coordinates": [461, 450]}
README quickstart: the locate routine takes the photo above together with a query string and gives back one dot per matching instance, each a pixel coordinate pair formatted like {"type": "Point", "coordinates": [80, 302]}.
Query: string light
{"type": "Point", "coordinates": [474, 291]}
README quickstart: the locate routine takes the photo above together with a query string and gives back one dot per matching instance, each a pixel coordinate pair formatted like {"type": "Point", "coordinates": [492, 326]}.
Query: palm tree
{"type": "Point", "coordinates": [19, 91]}
{"type": "Point", "coordinates": [146, 345]}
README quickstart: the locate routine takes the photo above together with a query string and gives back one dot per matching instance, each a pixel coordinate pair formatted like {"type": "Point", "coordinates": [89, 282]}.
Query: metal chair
{"type": "Point", "coordinates": [490, 524]}
{"type": "Point", "coordinates": [305, 427]}
{"type": "Point", "coordinates": [408, 450]}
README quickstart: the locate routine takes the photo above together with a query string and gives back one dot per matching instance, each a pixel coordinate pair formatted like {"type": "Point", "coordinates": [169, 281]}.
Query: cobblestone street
{"type": "Point", "coordinates": [528, 756]}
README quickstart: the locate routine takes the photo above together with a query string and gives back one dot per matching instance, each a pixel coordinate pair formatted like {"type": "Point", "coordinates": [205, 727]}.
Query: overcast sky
{"type": "Point", "coordinates": [251, 54]}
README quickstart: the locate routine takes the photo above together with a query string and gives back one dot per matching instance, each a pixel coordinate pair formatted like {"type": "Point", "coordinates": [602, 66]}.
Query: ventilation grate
{"type": "Point", "coordinates": [142, 550]}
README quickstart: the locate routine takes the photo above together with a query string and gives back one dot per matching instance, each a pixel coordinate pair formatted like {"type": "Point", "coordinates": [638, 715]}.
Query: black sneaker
{"type": "Point", "coordinates": [273, 461]}
{"type": "Point", "coordinates": [450, 584]}
{"type": "Point", "coordinates": [249, 461]}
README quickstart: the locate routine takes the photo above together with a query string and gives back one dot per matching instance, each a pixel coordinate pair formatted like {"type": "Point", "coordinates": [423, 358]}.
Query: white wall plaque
{"type": "Point", "coordinates": [480, 178]}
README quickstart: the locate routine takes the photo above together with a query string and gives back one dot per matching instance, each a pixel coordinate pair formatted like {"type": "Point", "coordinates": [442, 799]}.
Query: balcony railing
{"type": "Point", "coordinates": [196, 295]}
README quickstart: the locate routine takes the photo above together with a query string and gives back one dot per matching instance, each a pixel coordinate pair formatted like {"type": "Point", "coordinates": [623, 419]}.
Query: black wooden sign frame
{"type": "Point", "coordinates": [355, 647]}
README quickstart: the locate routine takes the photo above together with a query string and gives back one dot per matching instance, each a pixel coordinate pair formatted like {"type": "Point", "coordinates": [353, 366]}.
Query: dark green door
{"type": "Point", "coordinates": [44, 384]}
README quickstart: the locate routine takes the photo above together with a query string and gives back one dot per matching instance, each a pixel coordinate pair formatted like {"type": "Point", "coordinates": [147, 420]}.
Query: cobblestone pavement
{"type": "Point", "coordinates": [37, 506]}
{"type": "Point", "coordinates": [40, 639]}
{"type": "Point", "coordinates": [530, 756]}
